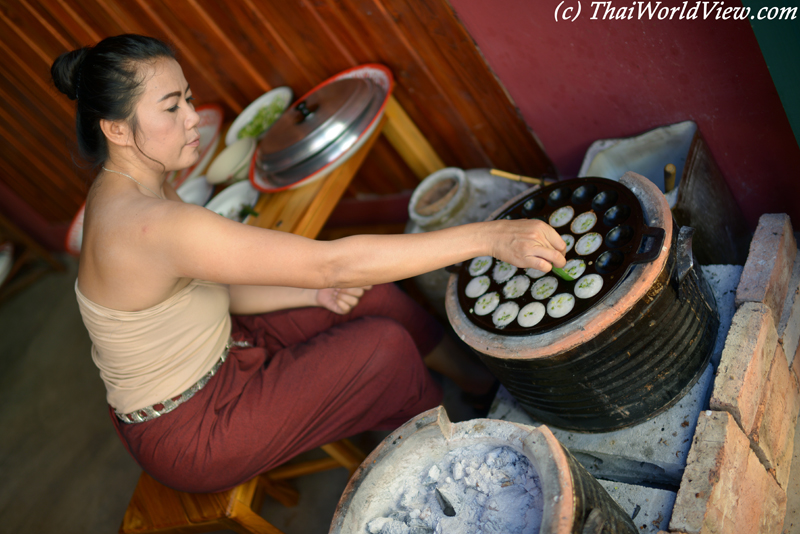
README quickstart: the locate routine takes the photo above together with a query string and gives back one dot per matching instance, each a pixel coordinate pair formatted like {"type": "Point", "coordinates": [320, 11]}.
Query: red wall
{"type": "Point", "coordinates": [576, 82]}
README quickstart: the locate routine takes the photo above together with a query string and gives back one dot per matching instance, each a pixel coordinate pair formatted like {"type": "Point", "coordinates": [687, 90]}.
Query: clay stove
{"type": "Point", "coordinates": [625, 359]}
{"type": "Point", "coordinates": [571, 499]}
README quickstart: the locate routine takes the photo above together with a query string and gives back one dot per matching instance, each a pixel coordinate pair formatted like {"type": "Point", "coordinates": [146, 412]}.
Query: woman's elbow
{"type": "Point", "coordinates": [335, 276]}
{"type": "Point", "coordinates": [337, 269]}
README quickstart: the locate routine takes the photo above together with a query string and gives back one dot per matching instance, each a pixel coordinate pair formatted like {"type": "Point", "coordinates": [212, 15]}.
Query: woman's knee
{"type": "Point", "coordinates": [392, 344]}
{"type": "Point", "coordinates": [396, 366]}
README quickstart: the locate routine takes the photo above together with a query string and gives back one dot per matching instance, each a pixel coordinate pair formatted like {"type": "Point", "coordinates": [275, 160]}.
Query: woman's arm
{"type": "Point", "coordinates": [248, 300]}
{"type": "Point", "coordinates": [190, 241]}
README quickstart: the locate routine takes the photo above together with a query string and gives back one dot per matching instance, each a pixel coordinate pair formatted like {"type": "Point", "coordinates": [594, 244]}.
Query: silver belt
{"type": "Point", "coordinates": [157, 410]}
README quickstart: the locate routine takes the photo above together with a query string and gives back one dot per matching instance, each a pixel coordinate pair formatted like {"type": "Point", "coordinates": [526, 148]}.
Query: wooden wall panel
{"type": "Point", "coordinates": [234, 51]}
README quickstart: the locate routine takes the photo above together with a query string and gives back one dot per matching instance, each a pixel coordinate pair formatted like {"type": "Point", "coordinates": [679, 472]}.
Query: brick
{"type": "Point", "coordinates": [789, 326]}
{"type": "Point", "coordinates": [746, 360]}
{"type": "Point", "coordinates": [725, 489]}
{"type": "Point", "coordinates": [791, 524]}
{"type": "Point", "coordinates": [766, 274]}
{"type": "Point", "coordinates": [772, 437]}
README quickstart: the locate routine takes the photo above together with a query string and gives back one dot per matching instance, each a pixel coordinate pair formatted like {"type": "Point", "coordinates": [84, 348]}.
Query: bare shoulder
{"type": "Point", "coordinates": [128, 221]}
{"type": "Point", "coordinates": [121, 266]}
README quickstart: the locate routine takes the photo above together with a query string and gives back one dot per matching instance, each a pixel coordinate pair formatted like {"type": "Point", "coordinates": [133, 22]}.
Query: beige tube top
{"type": "Point", "coordinates": [151, 355]}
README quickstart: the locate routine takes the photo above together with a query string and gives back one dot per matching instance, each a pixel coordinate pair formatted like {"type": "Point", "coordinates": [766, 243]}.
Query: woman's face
{"type": "Point", "coordinates": [167, 122]}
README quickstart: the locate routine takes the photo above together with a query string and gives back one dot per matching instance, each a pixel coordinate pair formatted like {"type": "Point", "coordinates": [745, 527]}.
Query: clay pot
{"type": "Point", "coordinates": [574, 502]}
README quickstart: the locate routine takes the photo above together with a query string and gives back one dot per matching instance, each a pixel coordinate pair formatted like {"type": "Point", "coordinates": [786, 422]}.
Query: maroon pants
{"type": "Point", "coordinates": [312, 377]}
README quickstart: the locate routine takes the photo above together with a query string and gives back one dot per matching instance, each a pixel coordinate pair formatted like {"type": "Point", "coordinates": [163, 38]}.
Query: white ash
{"type": "Point", "coordinates": [491, 489]}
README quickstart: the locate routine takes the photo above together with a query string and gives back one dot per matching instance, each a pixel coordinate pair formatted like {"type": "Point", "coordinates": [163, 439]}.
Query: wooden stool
{"type": "Point", "coordinates": [155, 508]}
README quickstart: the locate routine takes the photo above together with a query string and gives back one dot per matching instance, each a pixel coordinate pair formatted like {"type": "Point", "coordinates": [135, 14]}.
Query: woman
{"type": "Point", "coordinates": [204, 399]}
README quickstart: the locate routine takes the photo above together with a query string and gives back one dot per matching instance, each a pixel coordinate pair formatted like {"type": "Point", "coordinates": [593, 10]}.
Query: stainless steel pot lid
{"type": "Point", "coordinates": [325, 119]}
{"type": "Point", "coordinates": [342, 148]}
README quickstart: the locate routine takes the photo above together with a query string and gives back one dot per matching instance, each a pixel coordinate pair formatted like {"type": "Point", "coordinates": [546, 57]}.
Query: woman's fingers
{"type": "Point", "coordinates": [550, 256]}
{"type": "Point", "coordinates": [341, 300]}
{"type": "Point", "coordinates": [354, 291]}
{"type": "Point", "coordinates": [345, 299]}
{"type": "Point", "coordinates": [553, 238]}
{"type": "Point", "coordinates": [532, 243]}
{"type": "Point", "coordinates": [543, 259]}
{"type": "Point", "coordinates": [547, 235]}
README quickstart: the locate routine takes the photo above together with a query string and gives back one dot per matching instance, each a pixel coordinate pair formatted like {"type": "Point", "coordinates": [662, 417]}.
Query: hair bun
{"type": "Point", "coordinates": [65, 71]}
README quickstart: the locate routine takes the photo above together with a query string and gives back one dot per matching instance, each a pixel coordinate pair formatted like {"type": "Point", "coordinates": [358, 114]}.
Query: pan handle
{"type": "Point", "coordinates": [658, 235]}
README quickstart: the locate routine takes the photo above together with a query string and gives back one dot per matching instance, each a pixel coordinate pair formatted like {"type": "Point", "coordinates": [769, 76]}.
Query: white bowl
{"type": "Point", "coordinates": [232, 163]}
{"type": "Point", "coordinates": [197, 191]}
{"type": "Point", "coordinates": [280, 94]}
{"type": "Point", "coordinates": [229, 202]}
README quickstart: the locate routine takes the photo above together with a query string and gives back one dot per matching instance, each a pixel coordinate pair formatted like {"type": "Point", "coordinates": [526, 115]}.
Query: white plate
{"type": "Point", "coordinates": [209, 127]}
{"type": "Point", "coordinates": [244, 118]}
{"type": "Point", "coordinates": [6, 260]}
{"type": "Point", "coordinates": [232, 198]}
{"type": "Point", "coordinates": [197, 191]}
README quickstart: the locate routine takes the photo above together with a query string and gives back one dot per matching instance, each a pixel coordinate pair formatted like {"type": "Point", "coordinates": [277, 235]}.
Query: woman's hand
{"type": "Point", "coordinates": [340, 301]}
{"type": "Point", "coordinates": [530, 243]}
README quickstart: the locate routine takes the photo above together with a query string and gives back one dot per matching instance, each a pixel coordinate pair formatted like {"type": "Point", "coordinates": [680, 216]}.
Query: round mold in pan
{"type": "Point", "coordinates": [627, 240]}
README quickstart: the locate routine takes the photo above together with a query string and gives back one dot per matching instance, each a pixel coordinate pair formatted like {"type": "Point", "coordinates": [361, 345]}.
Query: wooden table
{"type": "Point", "coordinates": [304, 211]}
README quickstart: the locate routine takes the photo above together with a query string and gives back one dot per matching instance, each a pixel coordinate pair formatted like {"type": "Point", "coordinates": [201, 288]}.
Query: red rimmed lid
{"type": "Point", "coordinates": [317, 167]}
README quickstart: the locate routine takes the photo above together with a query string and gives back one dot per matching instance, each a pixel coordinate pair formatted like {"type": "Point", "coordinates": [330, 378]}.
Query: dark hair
{"type": "Point", "coordinates": [106, 82]}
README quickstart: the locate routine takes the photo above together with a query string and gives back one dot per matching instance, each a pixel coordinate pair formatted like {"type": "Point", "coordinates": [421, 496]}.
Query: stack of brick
{"type": "Point", "coordinates": [738, 466]}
